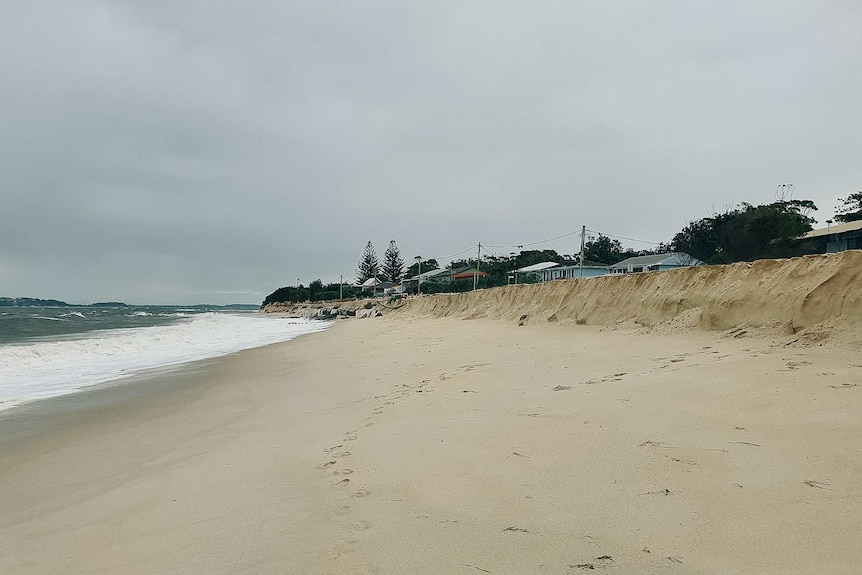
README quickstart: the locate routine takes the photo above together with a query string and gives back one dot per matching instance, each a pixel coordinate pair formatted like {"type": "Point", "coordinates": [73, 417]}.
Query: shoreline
{"type": "Point", "coordinates": [38, 369]}
{"type": "Point", "coordinates": [403, 444]}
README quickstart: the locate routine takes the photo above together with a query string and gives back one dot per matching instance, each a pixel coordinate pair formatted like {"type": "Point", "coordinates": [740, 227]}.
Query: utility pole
{"type": "Point", "coordinates": [341, 286]}
{"type": "Point", "coordinates": [419, 276]}
{"type": "Point", "coordinates": [581, 259]}
{"type": "Point", "coordinates": [476, 275]}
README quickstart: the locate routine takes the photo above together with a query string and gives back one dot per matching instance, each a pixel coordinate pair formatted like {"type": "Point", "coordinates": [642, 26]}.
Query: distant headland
{"type": "Point", "coordinates": [31, 302]}
{"type": "Point", "coordinates": [38, 302]}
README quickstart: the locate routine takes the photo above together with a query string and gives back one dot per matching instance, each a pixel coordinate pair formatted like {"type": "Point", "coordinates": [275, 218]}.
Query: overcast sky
{"type": "Point", "coordinates": [210, 151]}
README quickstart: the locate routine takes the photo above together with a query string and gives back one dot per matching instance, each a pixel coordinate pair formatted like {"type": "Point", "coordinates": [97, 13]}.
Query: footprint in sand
{"type": "Point", "coordinates": [333, 448]}
{"type": "Point", "coordinates": [343, 482]}
{"type": "Point", "coordinates": [326, 465]}
{"type": "Point", "coordinates": [361, 492]}
{"type": "Point", "coordinates": [350, 437]}
{"type": "Point", "coordinates": [361, 525]}
{"type": "Point", "coordinates": [342, 511]}
{"type": "Point", "coordinates": [343, 472]}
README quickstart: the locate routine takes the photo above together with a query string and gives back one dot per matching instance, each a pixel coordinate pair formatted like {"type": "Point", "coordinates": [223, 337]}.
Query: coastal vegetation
{"type": "Point", "coordinates": [747, 232]}
{"type": "Point", "coordinates": [850, 209]}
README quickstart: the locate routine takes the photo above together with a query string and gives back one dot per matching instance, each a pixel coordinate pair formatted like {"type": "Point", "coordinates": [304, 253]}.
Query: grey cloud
{"type": "Point", "coordinates": [178, 151]}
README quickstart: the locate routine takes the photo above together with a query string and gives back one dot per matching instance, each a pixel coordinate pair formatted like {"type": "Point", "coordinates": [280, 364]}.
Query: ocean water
{"type": "Point", "coordinates": [51, 351]}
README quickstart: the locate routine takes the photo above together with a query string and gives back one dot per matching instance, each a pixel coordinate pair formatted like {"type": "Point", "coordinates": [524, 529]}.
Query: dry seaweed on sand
{"type": "Point", "coordinates": [597, 563]}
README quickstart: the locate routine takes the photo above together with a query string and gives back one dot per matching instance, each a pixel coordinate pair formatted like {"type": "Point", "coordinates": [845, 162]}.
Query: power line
{"type": "Point", "coordinates": [567, 235]}
{"type": "Point", "coordinates": [625, 238]}
{"type": "Point", "coordinates": [528, 244]}
{"type": "Point", "coordinates": [535, 243]}
{"type": "Point", "coordinates": [464, 251]}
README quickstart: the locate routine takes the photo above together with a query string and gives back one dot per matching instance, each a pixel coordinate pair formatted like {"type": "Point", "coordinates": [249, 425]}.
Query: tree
{"type": "Point", "coordinates": [369, 265]}
{"type": "Point", "coordinates": [604, 250]}
{"type": "Point", "coordinates": [747, 232]}
{"type": "Point", "coordinates": [427, 266]}
{"type": "Point", "coordinates": [528, 258]}
{"type": "Point", "coordinates": [850, 209]}
{"type": "Point", "coordinates": [314, 289]}
{"type": "Point", "coordinates": [287, 294]}
{"type": "Point", "coordinates": [393, 263]}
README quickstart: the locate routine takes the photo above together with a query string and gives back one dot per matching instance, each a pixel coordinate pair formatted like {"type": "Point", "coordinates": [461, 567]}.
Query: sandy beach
{"type": "Point", "coordinates": [410, 444]}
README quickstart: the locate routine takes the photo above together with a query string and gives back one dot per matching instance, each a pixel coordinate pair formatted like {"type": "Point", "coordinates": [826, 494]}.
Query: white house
{"type": "Point", "coordinates": [654, 263]}
{"type": "Point", "coordinates": [549, 271]}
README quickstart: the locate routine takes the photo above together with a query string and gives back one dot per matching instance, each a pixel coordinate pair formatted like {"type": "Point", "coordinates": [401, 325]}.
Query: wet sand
{"type": "Point", "coordinates": [409, 445]}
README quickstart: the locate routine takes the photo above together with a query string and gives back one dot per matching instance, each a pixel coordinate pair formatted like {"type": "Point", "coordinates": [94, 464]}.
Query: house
{"type": "Point", "coordinates": [429, 276]}
{"type": "Point", "coordinates": [654, 263]}
{"type": "Point", "coordinates": [368, 284]}
{"type": "Point", "coordinates": [468, 274]}
{"type": "Point", "coordinates": [549, 271]}
{"type": "Point", "coordinates": [528, 270]}
{"type": "Point", "coordinates": [561, 272]}
{"type": "Point", "coordinates": [377, 287]}
{"type": "Point", "coordinates": [837, 238]}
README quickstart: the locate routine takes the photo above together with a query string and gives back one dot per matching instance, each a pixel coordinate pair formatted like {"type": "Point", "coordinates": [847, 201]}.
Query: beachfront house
{"type": "Point", "coordinates": [655, 263]}
{"type": "Point", "coordinates": [836, 238]}
{"type": "Point", "coordinates": [550, 271]}
{"type": "Point", "coordinates": [437, 275]}
{"type": "Point", "coordinates": [377, 286]}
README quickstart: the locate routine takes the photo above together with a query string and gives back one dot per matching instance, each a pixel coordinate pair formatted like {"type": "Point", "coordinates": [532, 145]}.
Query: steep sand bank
{"type": "Point", "coordinates": [795, 295]}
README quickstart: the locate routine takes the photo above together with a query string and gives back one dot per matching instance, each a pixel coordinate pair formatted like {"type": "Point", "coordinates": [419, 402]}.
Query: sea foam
{"type": "Point", "coordinates": [42, 369]}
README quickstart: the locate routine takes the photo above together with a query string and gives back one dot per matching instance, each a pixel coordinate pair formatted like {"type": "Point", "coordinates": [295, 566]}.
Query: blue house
{"type": "Point", "coordinates": [550, 271]}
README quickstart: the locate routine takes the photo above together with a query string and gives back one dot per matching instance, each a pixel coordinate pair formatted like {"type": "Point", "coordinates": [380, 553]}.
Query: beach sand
{"type": "Point", "coordinates": [407, 444]}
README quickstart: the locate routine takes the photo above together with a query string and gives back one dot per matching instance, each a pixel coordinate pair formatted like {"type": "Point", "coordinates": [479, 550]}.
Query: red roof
{"type": "Point", "coordinates": [463, 275]}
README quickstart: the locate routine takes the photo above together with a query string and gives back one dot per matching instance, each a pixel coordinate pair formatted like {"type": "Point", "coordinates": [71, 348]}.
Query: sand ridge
{"type": "Point", "coordinates": [796, 295]}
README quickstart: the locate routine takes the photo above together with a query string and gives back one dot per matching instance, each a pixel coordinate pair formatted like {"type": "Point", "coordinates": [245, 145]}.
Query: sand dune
{"type": "Point", "coordinates": [796, 294]}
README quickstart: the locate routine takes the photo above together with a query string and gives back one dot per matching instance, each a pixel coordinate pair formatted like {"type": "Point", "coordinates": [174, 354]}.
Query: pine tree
{"type": "Point", "coordinates": [369, 265]}
{"type": "Point", "coordinates": [393, 263]}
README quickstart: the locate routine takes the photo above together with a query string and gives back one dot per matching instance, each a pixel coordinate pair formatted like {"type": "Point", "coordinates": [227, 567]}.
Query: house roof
{"type": "Point", "coordinates": [370, 282]}
{"type": "Point", "coordinates": [670, 259]}
{"type": "Point", "coordinates": [587, 265]}
{"type": "Point", "coordinates": [537, 267]}
{"type": "Point", "coordinates": [429, 274]}
{"type": "Point", "coordinates": [836, 229]}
